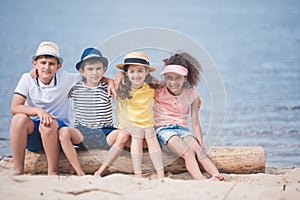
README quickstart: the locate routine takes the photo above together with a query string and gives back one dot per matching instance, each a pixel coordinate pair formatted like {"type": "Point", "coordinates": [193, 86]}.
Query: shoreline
{"type": "Point", "coordinates": [276, 183]}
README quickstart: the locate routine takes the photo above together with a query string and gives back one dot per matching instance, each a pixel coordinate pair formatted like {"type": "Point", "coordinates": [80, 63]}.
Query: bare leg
{"type": "Point", "coordinates": [49, 137]}
{"type": "Point", "coordinates": [155, 152]}
{"type": "Point", "coordinates": [21, 126]}
{"type": "Point", "coordinates": [203, 158]}
{"type": "Point", "coordinates": [137, 137]}
{"type": "Point", "coordinates": [69, 136]}
{"type": "Point", "coordinates": [114, 151]}
{"type": "Point", "coordinates": [179, 147]}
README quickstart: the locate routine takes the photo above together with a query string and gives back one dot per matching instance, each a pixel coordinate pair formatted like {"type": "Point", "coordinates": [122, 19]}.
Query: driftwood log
{"type": "Point", "coordinates": [238, 160]}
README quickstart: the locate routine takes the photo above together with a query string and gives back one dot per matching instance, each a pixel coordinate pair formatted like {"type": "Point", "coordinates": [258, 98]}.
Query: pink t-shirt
{"type": "Point", "coordinates": [170, 109]}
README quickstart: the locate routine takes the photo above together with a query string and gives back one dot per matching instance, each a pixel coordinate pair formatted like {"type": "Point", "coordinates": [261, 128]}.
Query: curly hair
{"type": "Point", "coordinates": [124, 87]}
{"type": "Point", "coordinates": [189, 62]}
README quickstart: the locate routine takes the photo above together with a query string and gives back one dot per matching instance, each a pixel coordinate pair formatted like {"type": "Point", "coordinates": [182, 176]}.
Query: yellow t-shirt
{"type": "Point", "coordinates": [136, 111]}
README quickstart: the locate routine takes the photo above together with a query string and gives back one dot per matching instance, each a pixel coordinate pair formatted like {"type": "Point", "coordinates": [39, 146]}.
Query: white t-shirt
{"type": "Point", "coordinates": [53, 98]}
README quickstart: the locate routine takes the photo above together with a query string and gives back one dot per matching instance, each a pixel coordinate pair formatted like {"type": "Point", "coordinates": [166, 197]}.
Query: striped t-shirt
{"type": "Point", "coordinates": [92, 105]}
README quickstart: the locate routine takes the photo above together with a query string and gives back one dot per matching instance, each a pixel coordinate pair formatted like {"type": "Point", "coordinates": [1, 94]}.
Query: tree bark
{"type": "Point", "coordinates": [237, 160]}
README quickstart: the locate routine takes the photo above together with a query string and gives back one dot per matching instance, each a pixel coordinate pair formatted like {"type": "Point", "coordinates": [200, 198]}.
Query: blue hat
{"type": "Point", "coordinates": [91, 53]}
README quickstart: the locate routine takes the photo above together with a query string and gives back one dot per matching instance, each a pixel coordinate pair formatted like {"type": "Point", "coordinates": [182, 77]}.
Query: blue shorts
{"type": "Point", "coordinates": [94, 138]}
{"type": "Point", "coordinates": [34, 140]}
{"type": "Point", "coordinates": [164, 133]}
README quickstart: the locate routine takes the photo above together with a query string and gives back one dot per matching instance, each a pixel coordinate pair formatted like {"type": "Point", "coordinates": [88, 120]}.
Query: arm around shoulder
{"type": "Point", "coordinates": [110, 86]}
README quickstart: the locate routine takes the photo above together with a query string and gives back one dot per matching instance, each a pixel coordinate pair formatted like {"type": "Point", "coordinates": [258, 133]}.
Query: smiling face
{"type": "Point", "coordinates": [174, 82]}
{"type": "Point", "coordinates": [93, 73]}
{"type": "Point", "coordinates": [137, 75]}
{"type": "Point", "coordinates": [46, 66]}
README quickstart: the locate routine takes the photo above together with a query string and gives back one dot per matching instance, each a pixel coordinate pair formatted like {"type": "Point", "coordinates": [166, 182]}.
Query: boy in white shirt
{"type": "Point", "coordinates": [40, 108]}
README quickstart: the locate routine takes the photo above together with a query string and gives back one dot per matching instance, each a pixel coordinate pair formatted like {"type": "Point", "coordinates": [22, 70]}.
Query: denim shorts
{"type": "Point", "coordinates": [164, 133]}
{"type": "Point", "coordinates": [34, 140]}
{"type": "Point", "coordinates": [94, 138]}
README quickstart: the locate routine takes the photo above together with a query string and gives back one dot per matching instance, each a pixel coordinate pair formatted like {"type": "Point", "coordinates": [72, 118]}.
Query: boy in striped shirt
{"type": "Point", "coordinates": [93, 108]}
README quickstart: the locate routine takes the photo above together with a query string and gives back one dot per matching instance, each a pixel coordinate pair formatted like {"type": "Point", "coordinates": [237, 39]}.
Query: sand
{"type": "Point", "coordinates": [280, 184]}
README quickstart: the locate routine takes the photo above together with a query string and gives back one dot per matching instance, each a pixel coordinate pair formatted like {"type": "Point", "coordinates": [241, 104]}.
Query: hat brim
{"type": "Point", "coordinates": [177, 69]}
{"type": "Point", "coordinates": [121, 66]}
{"type": "Point", "coordinates": [102, 59]}
{"type": "Point", "coordinates": [60, 60]}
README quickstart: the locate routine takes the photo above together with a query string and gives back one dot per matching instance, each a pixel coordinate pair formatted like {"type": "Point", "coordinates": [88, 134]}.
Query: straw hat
{"type": "Point", "coordinates": [136, 58]}
{"type": "Point", "coordinates": [48, 48]}
{"type": "Point", "coordinates": [91, 53]}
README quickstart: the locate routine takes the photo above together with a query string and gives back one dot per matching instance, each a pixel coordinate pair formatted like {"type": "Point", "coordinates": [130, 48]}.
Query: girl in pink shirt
{"type": "Point", "coordinates": [173, 103]}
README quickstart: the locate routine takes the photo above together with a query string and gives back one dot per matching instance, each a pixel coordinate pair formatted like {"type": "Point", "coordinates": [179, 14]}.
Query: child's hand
{"type": "Point", "coordinates": [34, 73]}
{"type": "Point", "coordinates": [111, 89]}
{"type": "Point", "coordinates": [45, 118]}
{"type": "Point", "coordinates": [119, 77]}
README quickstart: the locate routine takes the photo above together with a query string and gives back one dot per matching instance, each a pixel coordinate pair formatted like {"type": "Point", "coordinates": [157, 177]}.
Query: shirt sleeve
{"type": "Point", "coordinates": [70, 95]}
{"type": "Point", "coordinates": [23, 85]}
{"type": "Point", "coordinates": [74, 77]}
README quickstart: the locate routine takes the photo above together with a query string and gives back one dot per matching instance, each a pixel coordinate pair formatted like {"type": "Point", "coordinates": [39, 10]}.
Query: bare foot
{"type": "Point", "coordinates": [81, 174]}
{"type": "Point", "coordinates": [138, 175]}
{"type": "Point", "coordinates": [97, 173]}
{"type": "Point", "coordinates": [218, 177]}
{"type": "Point", "coordinates": [18, 172]}
{"type": "Point", "coordinates": [52, 173]}
{"type": "Point", "coordinates": [160, 174]}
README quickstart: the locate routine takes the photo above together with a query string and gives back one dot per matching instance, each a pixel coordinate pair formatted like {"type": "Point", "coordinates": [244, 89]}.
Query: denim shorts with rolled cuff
{"type": "Point", "coordinates": [94, 138]}
{"type": "Point", "coordinates": [164, 133]}
{"type": "Point", "coordinates": [34, 140]}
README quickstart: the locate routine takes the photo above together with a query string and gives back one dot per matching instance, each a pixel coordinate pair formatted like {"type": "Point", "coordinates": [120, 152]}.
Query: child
{"type": "Point", "coordinates": [172, 105]}
{"type": "Point", "coordinates": [134, 114]}
{"type": "Point", "coordinates": [40, 108]}
{"type": "Point", "coordinates": [93, 109]}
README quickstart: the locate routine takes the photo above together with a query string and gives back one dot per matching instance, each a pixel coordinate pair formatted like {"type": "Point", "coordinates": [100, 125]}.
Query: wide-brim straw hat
{"type": "Point", "coordinates": [136, 58]}
{"type": "Point", "coordinates": [48, 48]}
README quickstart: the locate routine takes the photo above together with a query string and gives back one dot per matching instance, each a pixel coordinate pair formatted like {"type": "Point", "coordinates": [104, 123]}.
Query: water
{"type": "Point", "coordinates": [255, 45]}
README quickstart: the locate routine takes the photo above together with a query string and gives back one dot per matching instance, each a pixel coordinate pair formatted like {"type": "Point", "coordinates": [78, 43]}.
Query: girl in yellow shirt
{"type": "Point", "coordinates": [134, 114]}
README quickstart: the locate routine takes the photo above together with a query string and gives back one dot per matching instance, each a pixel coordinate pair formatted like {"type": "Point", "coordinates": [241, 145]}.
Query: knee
{"type": "Point", "coordinates": [122, 138]}
{"type": "Point", "coordinates": [19, 119]}
{"type": "Point", "coordinates": [49, 131]}
{"type": "Point", "coordinates": [21, 123]}
{"type": "Point", "coordinates": [137, 133]}
{"type": "Point", "coordinates": [63, 135]}
{"type": "Point", "coordinates": [189, 153]}
{"type": "Point", "coordinates": [149, 133]}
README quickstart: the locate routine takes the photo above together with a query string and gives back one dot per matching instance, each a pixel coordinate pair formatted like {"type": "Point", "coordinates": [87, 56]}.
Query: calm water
{"type": "Point", "coordinates": [254, 44]}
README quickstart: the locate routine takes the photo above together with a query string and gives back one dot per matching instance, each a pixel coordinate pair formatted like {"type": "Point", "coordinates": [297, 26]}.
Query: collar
{"type": "Point", "coordinates": [53, 83]}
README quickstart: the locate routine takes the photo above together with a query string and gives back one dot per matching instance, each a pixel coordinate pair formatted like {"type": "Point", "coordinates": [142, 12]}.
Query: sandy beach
{"type": "Point", "coordinates": [283, 183]}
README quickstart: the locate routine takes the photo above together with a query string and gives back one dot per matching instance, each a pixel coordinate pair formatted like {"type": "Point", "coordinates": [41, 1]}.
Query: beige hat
{"type": "Point", "coordinates": [136, 58]}
{"type": "Point", "coordinates": [48, 48]}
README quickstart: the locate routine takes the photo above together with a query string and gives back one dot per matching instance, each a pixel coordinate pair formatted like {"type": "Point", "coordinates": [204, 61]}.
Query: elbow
{"type": "Point", "coordinates": [12, 111]}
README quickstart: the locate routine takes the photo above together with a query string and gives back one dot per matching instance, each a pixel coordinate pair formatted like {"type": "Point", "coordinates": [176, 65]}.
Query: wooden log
{"type": "Point", "coordinates": [238, 160]}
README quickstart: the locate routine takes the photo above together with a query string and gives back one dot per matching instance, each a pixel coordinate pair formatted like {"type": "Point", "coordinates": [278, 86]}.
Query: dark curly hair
{"type": "Point", "coordinates": [189, 62]}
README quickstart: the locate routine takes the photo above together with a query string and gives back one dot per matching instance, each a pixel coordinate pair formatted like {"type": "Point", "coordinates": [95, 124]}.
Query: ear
{"type": "Point", "coordinates": [34, 62]}
{"type": "Point", "coordinates": [59, 66]}
{"type": "Point", "coordinates": [81, 71]}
